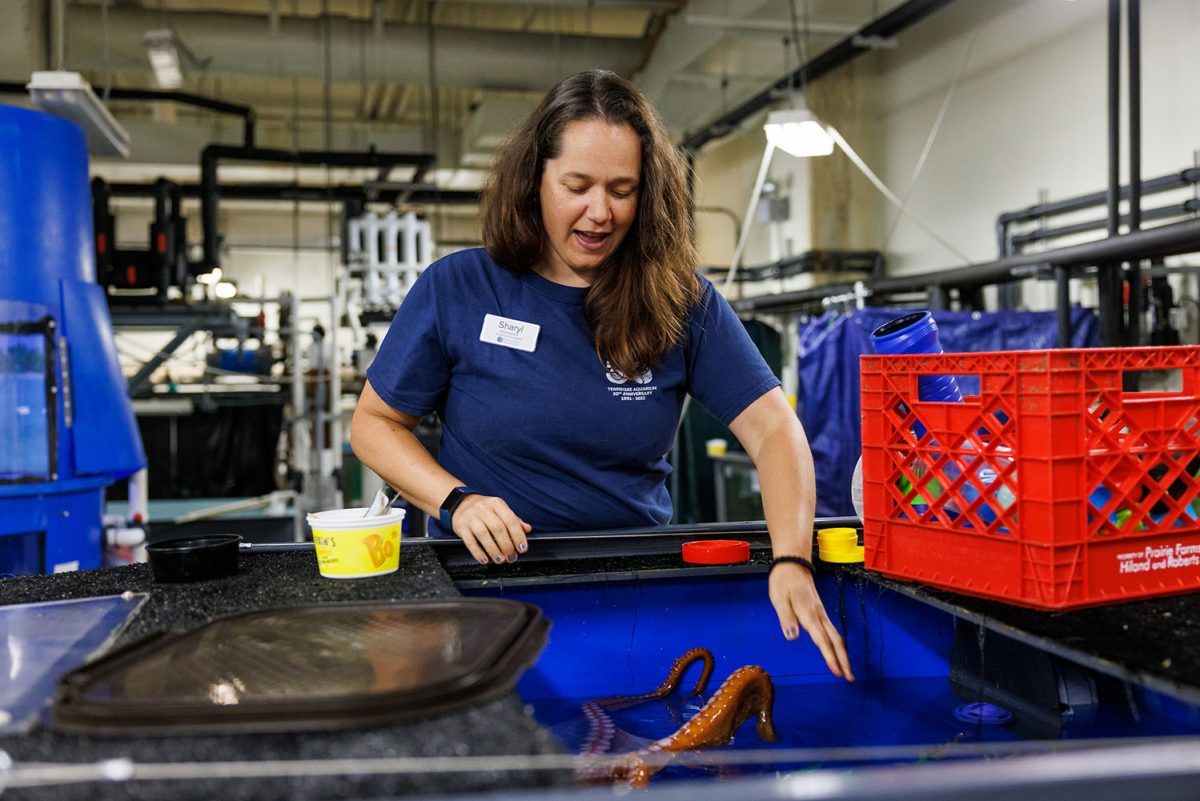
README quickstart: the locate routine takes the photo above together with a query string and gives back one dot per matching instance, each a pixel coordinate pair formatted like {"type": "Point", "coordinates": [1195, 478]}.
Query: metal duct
{"type": "Point", "coordinates": [244, 44]}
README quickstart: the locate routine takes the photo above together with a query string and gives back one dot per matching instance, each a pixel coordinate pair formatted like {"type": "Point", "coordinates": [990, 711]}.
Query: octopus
{"type": "Point", "coordinates": [748, 691]}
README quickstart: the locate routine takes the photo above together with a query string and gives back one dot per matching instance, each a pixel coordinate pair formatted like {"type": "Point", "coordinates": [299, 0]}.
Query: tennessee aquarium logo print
{"type": "Point", "coordinates": [615, 377]}
{"type": "Point", "coordinates": [622, 388]}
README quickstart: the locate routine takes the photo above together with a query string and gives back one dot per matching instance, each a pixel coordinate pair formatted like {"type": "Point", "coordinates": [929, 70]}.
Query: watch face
{"type": "Point", "coordinates": [454, 499]}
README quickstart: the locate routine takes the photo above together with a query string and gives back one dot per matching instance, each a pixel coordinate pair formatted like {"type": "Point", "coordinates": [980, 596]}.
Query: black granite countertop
{"type": "Point", "coordinates": [504, 726]}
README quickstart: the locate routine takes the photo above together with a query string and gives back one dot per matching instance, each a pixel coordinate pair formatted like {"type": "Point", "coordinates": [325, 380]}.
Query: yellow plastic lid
{"type": "Point", "coordinates": [839, 545]}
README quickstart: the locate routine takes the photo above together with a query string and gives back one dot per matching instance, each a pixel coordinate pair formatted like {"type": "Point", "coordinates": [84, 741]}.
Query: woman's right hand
{"type": "Point", "coordinates": [490, 530]}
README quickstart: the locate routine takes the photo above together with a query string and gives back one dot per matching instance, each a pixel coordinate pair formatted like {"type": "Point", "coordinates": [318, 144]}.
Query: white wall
{"type": "Point", "coordinates": [1028, 115]}
{"type": "Point", "coordinates": [725, 174]}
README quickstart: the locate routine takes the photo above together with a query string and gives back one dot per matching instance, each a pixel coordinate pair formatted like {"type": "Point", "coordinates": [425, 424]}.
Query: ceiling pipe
{"type": "Point", "coordinates": [186, 98]}
{"type": "Point", "coordinates": [418, 194]}
{"type": "Point", "coordinates": [1152, 243]}
{"type": "Point", "coordinates": [210, 191]}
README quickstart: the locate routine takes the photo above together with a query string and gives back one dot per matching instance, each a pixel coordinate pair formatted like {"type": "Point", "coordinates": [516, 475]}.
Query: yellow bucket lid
{"type": "Point", "coordinates": [839, 545]}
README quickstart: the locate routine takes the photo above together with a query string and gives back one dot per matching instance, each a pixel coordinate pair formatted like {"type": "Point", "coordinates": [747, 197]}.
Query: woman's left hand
{"type": "Point", "coordinates": [795, 598]}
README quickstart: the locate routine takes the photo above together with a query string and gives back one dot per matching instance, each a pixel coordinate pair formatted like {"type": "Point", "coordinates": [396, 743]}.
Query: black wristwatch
{"type": "Point", "coordinates": [450, 504]}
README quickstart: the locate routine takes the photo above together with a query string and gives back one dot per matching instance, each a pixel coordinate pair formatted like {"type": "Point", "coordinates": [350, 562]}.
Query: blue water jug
{"type": "Point", "coordinates": [917, 334]}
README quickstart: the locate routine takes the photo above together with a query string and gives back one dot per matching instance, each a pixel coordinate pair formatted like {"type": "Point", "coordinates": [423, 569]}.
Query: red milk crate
{"type": "Point", "coordinates": [1053, 488]}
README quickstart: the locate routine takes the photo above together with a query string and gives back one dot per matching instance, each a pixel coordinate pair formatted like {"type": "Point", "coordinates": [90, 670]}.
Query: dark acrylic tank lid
{"type": "Point", "coordinates": [194, 558]}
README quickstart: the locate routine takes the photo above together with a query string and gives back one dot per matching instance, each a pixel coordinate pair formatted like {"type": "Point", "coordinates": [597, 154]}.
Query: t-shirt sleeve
{"type": "Point", "coordinates": [726, 373]}
{"type": "Point", "coordinates": [411, 371]}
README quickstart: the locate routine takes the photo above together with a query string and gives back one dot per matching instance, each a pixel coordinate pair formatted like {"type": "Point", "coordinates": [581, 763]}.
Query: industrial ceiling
{"type": "Point", "coordinates": [415, 75]}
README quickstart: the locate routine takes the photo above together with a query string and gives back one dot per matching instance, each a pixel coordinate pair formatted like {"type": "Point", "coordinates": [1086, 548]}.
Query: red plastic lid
{"type": "Point", "coordinates": [716, 552]}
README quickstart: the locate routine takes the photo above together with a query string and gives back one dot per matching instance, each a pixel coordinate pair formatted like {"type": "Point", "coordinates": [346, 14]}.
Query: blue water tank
{"type": "Point", "coordinates": [67, 428]}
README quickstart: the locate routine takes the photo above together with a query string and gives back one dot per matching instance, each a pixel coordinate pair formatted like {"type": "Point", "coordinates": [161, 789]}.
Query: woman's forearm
{"type": "Point", "coordinates": [785, 475]}
{"type": "Point", "coordinates": [383, 438]}
{"type": "Point", "coordinates": [391, 449]}
{"type": "Point", "coordinates": [774, 439]}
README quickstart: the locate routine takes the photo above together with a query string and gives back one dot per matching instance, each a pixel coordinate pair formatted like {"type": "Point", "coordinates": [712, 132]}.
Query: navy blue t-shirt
{"type": "Point", "coordinates": [567, 443]}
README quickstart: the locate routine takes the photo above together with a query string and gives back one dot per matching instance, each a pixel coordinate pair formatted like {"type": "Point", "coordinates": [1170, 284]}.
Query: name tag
{"type": "Point", "coordinates": [509, 333]}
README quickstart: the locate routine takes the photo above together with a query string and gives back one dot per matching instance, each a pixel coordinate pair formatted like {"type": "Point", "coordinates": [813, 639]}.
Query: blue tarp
{"type": "Point", "coordinates": [828, 396]}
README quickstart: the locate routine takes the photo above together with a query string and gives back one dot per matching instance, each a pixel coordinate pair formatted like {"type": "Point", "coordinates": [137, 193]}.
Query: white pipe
{"type": "Point", "coordinates": [748, 217]}
{"type": "Point", "coordinates": [59, 13]}
{"type": "Point", "coordinates": [335, 381]}
{"type": "Point", "coordinates": [412, 266]}
{"type": "Point", "coordinates": [426, 244]}
{"type": "Point", "coordinates": [371, 225]}
{"type": "Point", "coordinates": [139, 497]}
{"type": "Point", "coordinates": [392, 228]}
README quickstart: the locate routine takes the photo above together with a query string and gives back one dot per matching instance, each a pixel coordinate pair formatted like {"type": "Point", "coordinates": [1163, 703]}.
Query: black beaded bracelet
{"type": "Point", "coordinates": [796, 560]}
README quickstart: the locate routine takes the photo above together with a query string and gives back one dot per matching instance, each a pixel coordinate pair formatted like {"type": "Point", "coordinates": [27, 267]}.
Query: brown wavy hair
{"type": "Point", "coordinates": [638, 305]}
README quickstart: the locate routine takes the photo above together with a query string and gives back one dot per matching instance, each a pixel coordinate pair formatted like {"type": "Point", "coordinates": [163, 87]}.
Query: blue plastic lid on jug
{"type": "Point", "coordinates": [917, 333]}
{"type": "Point", "coordinates": [912, 333]}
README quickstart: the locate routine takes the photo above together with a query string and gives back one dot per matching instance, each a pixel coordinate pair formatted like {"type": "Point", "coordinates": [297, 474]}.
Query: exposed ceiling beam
{"type": "Point", "coordinates": [769, 25]}
{"type": "Point", "coordinates": [716, 81]}
{"type": "Point", "coordinates": [643, 5]}
{"type": "Point", "coordinates": [681, 44]}
{"type": "Point", "coordinates": [891, 23]}
{"type": "Point", "coordinates": [399, 104]}
{"type": "Point", "coordinates": [242, 45]}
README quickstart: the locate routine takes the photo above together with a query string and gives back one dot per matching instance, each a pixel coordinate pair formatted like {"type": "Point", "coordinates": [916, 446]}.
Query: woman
{"type": "Point", "coordinates": [558, 356]}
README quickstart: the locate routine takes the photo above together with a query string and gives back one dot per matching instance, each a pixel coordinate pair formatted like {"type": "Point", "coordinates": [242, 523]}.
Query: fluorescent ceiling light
{"type": "Point", "coordinates": [799, 132]}
{"type": "Point", "coordinates": [225, 290]}
{"type": "Point", "coordinates": [68, 95]}
{"type": "Point", "coordinates": [163, 53]}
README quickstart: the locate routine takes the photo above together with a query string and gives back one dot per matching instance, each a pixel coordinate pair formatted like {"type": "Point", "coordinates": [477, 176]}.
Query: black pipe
{"type": "Point", "coordinates": [290, 191]}
{"type": "Point", "coordinates": [161, 245]}
{"type": "Point", "coordinates": [1113, 193]}
{"type": "Point", "coordinates": [1134, 55]}
{"type": "Point", "coordinates": [1165, 240]}
{"type": "Point", "coordinates": [1007, 245]}
{"type": "Point", "coordinates": [888, 25]}
{"type": "Point", "coordinates": [1162, 183]}
{"type": "Point", "coordinates": [162, 199]}
{"type": "Point", "coordinates": [830, 261]}
{"type": "Point", "coordinates": [245, 112]}
{"type": "Point", "coordinates": [210, 190]}
{"type": "Point", "coordinates": [1109, 274]}
{"type": "Point", "coordinates": [330, 158]}
{"type": "Point", "coordinates": [1015, 244]}
{"type": "Point", "coordinates": [938, 297]}
{"type": "Point", "coordinates": [1007, 297]}
{"type": "Point", "coordinates": [102, 229]}
{"type": "Point", "coordinates": [1162, 300]}
{"type": "Point", "coordinates": [1062, 304]}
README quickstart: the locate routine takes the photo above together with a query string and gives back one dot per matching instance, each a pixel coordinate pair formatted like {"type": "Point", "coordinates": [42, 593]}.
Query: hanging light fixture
{"type": "Point", "coordinates": [798, 131]}
{"type": "Point", "coordinates": [163, 52]}
{"type": "Point", "coordinates": [69, 95]}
